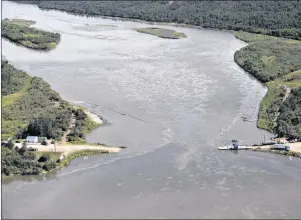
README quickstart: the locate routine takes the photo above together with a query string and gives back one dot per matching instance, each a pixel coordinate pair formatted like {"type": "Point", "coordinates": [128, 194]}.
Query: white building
{"type": "Point", "coordinates": [32, 139]}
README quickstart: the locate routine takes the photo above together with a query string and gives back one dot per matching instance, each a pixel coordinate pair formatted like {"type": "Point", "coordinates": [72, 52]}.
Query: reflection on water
{"type": "Point", "coordinates": [171, 102]}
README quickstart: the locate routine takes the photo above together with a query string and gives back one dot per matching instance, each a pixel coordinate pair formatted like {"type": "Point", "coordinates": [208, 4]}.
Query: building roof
{"type": "Point", "coordinates": [32, 138]}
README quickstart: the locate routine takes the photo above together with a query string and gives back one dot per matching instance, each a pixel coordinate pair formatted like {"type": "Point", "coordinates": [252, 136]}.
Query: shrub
{"type": "Point", "coordinates": [44, 158]}
{"type": "Point", "coordinates": [50, 165]}
{"type": "Point", "coordinates": [29, 155]}
{"type": "Point", "coordinates": [44, 142]}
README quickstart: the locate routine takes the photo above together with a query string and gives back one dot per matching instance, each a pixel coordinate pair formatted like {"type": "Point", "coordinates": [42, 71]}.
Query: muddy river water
{"type": "Point", "coordinates": [171, 102]}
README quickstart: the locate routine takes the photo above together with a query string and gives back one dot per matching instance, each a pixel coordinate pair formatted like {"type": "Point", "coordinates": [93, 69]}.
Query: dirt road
{"type": "Point", "coordinates": [65, 148]}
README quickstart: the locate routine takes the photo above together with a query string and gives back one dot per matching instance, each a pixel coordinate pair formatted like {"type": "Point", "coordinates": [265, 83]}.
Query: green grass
{"type": "Point", "coordinates": [251, 38]}
{"type": "Point", "coordinates": [266, 121]}
{"type": "Point", "coordinates": [81, 153]}
{"type": "Point", "coordinates": [106, 25]}
{"type": "Point", "coordinates": [18, 21]}
{"type": "Point", "coordinates": [90, 125]}
{"type": "Point", "coordinates": [9, 99]}
{"type": "Point", "coordinates": [162, 33]}
{"type": "Point", "coordinates": [53, 155]}
{"type": "Point", "coordinates": [51, 45]}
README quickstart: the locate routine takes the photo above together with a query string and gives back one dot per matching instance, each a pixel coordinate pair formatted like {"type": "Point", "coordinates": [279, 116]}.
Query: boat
{"type": "Point", "coordinates": [235, 146]}
{"type": "Point", "coordinates": [231, 147]}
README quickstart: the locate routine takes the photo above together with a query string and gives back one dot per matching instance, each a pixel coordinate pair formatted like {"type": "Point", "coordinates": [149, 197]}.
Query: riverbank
{"type": "Point", "coordinates": [295, 150]}
{"type": "Point", "coordinates": [213, 15]}
{"type": "Point", "coordinates": [71, 148]}
{"type": "Point", "coordinates": [56, 160]}
{"type": "Point", "coordinates": [267, 118]}
{"type": "Point", "coordinates": [276, 63]}
{"type": "Point", "coordinates": [31, 107]}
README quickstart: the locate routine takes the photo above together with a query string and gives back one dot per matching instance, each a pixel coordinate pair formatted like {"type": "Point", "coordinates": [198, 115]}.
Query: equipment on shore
{"type": "Point", "coordinates": [281, 147]}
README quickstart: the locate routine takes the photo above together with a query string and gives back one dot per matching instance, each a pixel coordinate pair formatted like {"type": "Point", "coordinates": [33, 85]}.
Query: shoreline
{"type": "Point", "coordinates": [174, 24]}
{"type": "Point", "coordinates": [71, 148]}
{"type": "Point", "coordinates": [62, 164]}
{"type": "Point", "coordinates": [94, 117]}
{"type": "Point", "coordinates": [295, 150]}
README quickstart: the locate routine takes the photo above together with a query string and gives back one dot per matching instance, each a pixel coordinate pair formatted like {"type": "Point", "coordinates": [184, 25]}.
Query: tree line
{"type": "Point", "coordinates": [277, 18]}
{"type": "Point", "coordinates": [40, 111]}
{"type": "Point", "coordinates": [289, 119]}
{"type": "Point", "coordinates": [23, 161]}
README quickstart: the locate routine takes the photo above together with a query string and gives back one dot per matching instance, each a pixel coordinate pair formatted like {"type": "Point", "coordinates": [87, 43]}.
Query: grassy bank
{"type": "Point", "coordinates": [18, 31]}
{"type": "Point", "coordinates": [21, 161]}
{"type": "Point", "coordinates": [275, 62]}
{"type": "Point", "coordinates": [31, 107]}
{"type": "Point", "coordinates": [281, 152]}
{"type": "Point", "coordinates": [81, 153]}
{"type": "Point", "coordinates": [18, 21]}
{"type": "Point", "coordinates": [162, 33]}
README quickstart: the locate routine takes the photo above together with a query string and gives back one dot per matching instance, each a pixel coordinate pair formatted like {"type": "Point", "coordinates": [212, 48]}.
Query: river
{"type": "Point", "coordinates": [171, 102]}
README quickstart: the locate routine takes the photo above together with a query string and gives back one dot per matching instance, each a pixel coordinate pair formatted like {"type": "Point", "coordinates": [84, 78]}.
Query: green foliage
{"type": "Point", "coordinates": [274, 61]}
{"type": "Point", "coordinates": [50, 165]}
{"type": "Point", "coordinates": [163, 33]}
{"type": "Point", "coordinates": [248, 37]}
{"type": "Point", "coordinates": [28, 155]}
{"type": "Point", "coordinates": [20, 33]}
{"type": "Point", "coordinates": [269, 106]}
{"type": "Point", "coordinates": [289, 120]}
{"type": "Point", "coordinates": [80, 153]}
{"type": "Point", "coordinates": [38, 110]}
{"type": "Point", "coordinates": [10, 144]}
{"type": "Point", "coordinates": [12, 80]}
{"type": "Point", "coordinates": [44, 158]}
{"type": "Point", "coordinates": [23, 162]}
{"type": "Point", "coordinates": [40, 107]}
{"type": "Point", "coordinates": [269, 59]}
{"type": "Point", "coordinates": [20, 21]}
{"type": "Point", "coordinates": [277, 18]}
{"type": "Point", "coordinates": [83, 126]}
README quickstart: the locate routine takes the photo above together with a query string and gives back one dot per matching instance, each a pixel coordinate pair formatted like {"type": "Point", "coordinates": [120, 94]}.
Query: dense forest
{"type": "Point", "coordinates": [275, 62]}
{"type": "Point", "coordinates": [277, 18]}
{"type": "Point", "coordinates": [269, 59]}
{"type": "Point", "coordinates": [18, 31]}
{"type": "Point", "coordinates": [37, 109]}
{"type": "Point", "coordinates": [289, 119]}
{"type": "Point", "coordinates": [12, 80]}
{"type": "Point", "coordinates": [24, 161]}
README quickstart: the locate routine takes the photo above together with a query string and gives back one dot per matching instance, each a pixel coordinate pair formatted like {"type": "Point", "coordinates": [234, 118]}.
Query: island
{"type": "Point", "coordinates": [20, 32]}
{"type": "Point", "coordinates": [162, 32]}
{"type": "Point", "coordinates": [106, 25]}
{"type": "Point", "coordinates": [41, 132]}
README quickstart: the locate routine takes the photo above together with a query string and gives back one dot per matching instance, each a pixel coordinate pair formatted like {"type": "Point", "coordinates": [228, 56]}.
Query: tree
{"type": "Point", "coordinates": [44, 158]}
{"type": "Point", "coordinates": [50, 165]}
{"type": "Point", "coordinates": [29, 155]}
{"type": "Point", "coordinates": [10, 144]}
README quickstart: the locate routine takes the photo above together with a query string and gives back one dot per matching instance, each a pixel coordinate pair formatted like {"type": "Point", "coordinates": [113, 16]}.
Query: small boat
{"type": "Point", "coordinates": [231, 147]}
